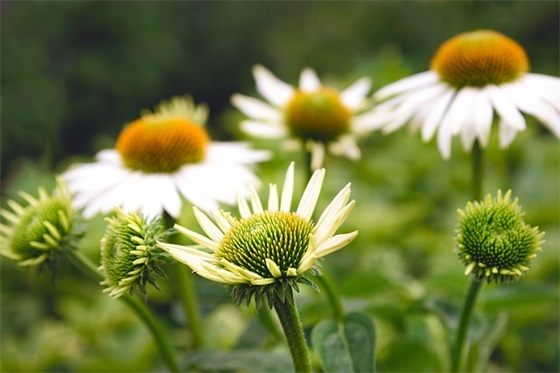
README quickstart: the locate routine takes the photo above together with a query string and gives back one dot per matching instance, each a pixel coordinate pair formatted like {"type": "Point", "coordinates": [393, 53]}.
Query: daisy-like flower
{"type": "Point", "coordinates": [319, 117]}
{"type": "Point", "coordinates": [39, 231]}
{"type": "Point", "coordinates": [160, 157]}
{"type": "Point", "coordinates": [129, 255]}
{"type": "Point", "coordinates": [472, 75]}
{"type": "Point", "coordinates": [269, 248]}
{"type": "Point", "coordinates": [493, 240]}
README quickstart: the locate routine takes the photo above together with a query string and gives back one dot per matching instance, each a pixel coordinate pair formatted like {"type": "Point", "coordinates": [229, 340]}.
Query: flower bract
{"type": "Point", "coordinates": [269, 247]}
{"type": "Point", "coordinates": [494, 242]}
{"type": "Point", "coordinates": [129, 255]}
{"type": "Point", "coordinates": [319, 117]}
{"type": "Point", "coordinates": [40, 230]}
{"type": "Point", "coordinates": [160, 158]}
{"type": "Point", "coordinates": [474, 76]}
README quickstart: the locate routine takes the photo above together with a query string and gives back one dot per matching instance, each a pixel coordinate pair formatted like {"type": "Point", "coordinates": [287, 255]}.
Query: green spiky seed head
{"type": "Point", "coordinates": [494, 242]}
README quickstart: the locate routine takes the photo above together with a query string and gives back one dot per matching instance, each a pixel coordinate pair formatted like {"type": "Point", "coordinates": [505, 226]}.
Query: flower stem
{"type": "Point", "coordinates": [158, 333]}
{"type": "Point", "coordinates": [477, 171]}
{"type": "Point", "coordinates": [186, 292]}
{"type": "Point", "coordinates": [460, 348]}
{"type": "Point", "coordinates": [291, 324]}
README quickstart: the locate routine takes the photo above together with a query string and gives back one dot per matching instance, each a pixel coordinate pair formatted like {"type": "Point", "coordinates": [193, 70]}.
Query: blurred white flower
{"type": "Point", "coordinates": [319, 117]}
{"type": "Point", "coordinates": [472, 75]}
{"type": "Point", "coordinates": [160, 158]}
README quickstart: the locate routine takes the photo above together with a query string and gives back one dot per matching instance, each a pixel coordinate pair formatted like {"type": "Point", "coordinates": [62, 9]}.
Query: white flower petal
{"type": "Point", "coordinates": [234, 153]}
{"type": "Point", "coordinates": [317, 150]}
{"type": "Point", "coordinates": [308, 80]}
{"type": "Point", "coordinates": [273, 198]}
{"type": "Point", "coordinates": [311, 195]}
{"type": "Point", "coordinates": [507, 133]}
{"type": "Point", "coordinates": [213, 232]}
{"type": "Point", "coordinates": [271, 88]}
{"type": "Point", "coordinates": [287, 189]}
{"type": "Point", "coordinates": [410, 83]}
{"type": "Point", "coordinates": [255, 108]}
{"type": "Point", "coordinates": [505, 107]}
{"type": "Point", "coordinates": [197, 237]}
{"type": "Point", "coordinates": [482, 117]}
{"type": "Point", "coordinates": [266, 130]}
{"type": "Point", "coordinates": [221, 220]}
{"type": "Point", "coordinates": [353, 96]}
{"type": "Point", "coordinates": [335, 243]}
{"type": "Point", "coordinates": [454, 120]}
{"type": "Point", "coordinates": [346, 145]}
{"type": "Point", "coordinates": [256, 202]}
{"type": "Point", "coordinates": [243, 207]}
{"type": "Point", "coordinates": [437, 112]}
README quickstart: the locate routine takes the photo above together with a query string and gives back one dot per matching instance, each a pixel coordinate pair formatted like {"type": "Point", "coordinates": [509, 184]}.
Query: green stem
{"type": "Point", "coordinates": [459, 349]}
{"type": "Point", "coordinates": [291, 324]}
{"type": "Point", "coordinates": [158, 333]}
{"type": "Point", "coordinates": [477, 171]}
{"type": "Point", "coordinates": [186, 292]}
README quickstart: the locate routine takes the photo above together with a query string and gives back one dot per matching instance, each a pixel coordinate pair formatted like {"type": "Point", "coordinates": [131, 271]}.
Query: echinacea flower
{"type": "Point", "coordinates": [41, 230]}
{"type": "Point", "coordinates": [472, 75]}
{"type": "Point", "coordinates": [269, 248]}
{"type": "Point", "coordinates": [160, 157]}
{"type": "Point", "coordinates": [129, 255]}
{"type": "Point", "coordinates": [493, 240]}
{"type": "Point", "coordinates": [319, 117]}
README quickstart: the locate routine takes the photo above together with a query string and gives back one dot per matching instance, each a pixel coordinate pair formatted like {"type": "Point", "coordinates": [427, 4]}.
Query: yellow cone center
{"type": "Point", "coordinates": [318, 115]}
{"type": "Point", "coordinates": [479, 58]}
{"type": "Point", "coordinates": [161, 145]}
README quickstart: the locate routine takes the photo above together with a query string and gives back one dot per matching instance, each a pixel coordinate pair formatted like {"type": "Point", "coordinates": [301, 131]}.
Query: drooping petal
{"type": "Point", "coordinates": [407, 84]}
{"type": "Point", "coordinates": [353, 96]}
{"type": "Point", "coordinates": [505, 107]}
{"type": "Point", "coordinates": [317, 150]}
{"type": "Point", "coordinates": [437, 112]}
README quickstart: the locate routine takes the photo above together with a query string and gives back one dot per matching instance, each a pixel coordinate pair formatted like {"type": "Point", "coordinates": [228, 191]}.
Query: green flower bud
{"type": "Point", "coordinates": [129, 256]}
{"type": "Point", "coordinates": [494, 242]}
{"type": "Point", "coordinates": [36, 233]}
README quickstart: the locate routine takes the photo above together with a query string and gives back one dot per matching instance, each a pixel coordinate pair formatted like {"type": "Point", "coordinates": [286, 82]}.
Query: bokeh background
{"type": "Point", "coordinates": [73, 73]}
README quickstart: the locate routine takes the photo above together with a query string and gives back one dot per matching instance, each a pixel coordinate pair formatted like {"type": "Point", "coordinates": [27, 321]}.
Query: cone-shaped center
{"type": "Point", "coordinates": [318, 115]}
{"type": "Point", "coordinates": [164, 145]}
{"type": "Point", "coordinates": [479, 58]}
{"type": "Point", "coordinates": [116, 259]}
{"type": "Point", "coordinates": [282, 237]}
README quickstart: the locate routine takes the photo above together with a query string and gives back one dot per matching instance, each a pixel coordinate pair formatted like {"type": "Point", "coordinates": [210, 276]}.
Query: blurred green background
{"type": "Point", "coordinates": [73, 73]}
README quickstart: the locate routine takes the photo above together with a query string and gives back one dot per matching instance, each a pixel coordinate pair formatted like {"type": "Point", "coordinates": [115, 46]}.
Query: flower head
{"type": "Point", "coordinates": [129, 255]}
{"type": "Point", "coordinates": [320, 117]}
{"type": "Point", "coordinates": [41, 230]}
{"type": "Point", "coordinates": [494, 242]}
{"type": "Point", "coordinates": [160, 157]}
{"type": "Point", "coordinates": [269, 248]}
{"type": "Point", "coordinates": [472, 75]}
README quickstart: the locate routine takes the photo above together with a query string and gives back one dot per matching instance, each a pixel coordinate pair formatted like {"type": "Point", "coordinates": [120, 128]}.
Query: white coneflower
{"type": "Point", "coordinates": [269, 248]}
{"type": "Point", "coordinates": [160, 158]}
{"type": "Point", "coordinates": [319, 117]}
{"type": "Point", "coordinates": [472, 75]}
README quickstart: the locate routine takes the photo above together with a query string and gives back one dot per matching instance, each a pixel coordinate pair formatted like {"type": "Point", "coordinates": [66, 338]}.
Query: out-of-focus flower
{"type": "Point", "coordinates": [268, 249]}
{"type": "Point", "coordinates": [472, 75]}
{"type": "Point", "coordinates": [159, 158]}
{"type": "Point", "coordinates": [319, 117]}
{"type": "Point", "coordinates": [129, 255]}
{"type": "Point", "coordinates": [494, 242]}
{"type": "Point", "coordinates": [40, 231]}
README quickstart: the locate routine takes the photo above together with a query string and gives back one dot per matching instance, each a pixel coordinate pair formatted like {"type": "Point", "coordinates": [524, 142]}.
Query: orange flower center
{"type": "Point", "coordinates": [318, 115]}
{"type": "Point", "coordinates": [155, 145]}
{"type": "Point", "coordinates": [479, 58]}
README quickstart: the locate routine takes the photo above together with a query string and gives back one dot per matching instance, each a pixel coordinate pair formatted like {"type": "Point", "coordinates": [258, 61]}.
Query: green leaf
{"type": "Point", "coordinates": [348, 346]}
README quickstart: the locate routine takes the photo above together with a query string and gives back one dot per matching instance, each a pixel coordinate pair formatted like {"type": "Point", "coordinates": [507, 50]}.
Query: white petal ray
{"type": "Point", "coordinates": [243, 207]}
{"type": "Point", "coordinates": [193, 193]}
{"type": "Point", "coordinates": [308, 80]}
{"type": "Point", "coordinates": [333, 222]}
{"type": "Point", "coordinates": [221, 221]}
{"type": "Point", "coordinates": [197, 237]}
{"type": "Point", "coordinates": [311, 195]}
{"type": "Point", "coordinates": [255, 108]}
{"type": "Point", "coordinates": [453, 120]}
{"type": "Point", "coordinates": [256, 202]}
{"type": "Point", "coordinates": [273, 198]}
{"type": "Point", "coordinates": [353, 96]}
{"type": "Point", "coordinates": [234, 152]}
{"type": "Point", "coordinates": [410, 83]}
{"type": "Point", "coordinates": [335, 243]}
{"type": "Point", "coordinates": [317, 150]}
{"type": "Point", "coordinates": [222, 275]}
{"type": "Point", "coordinates": [187, 255]}
{"type": "Point", "coordinates": [213, 232]}
{"type": "Point", "coordinates": [267, 130]}
{"type": "Point", "coordinates": [287, 189]}
{"type": "Point", "coordinates": [482, 117]}
{"type": "Point", "coordinates": [545, 86]}
{"type": "Point", "coordinates": [347, 146]}
{"type": "Point", "coordinates": [437, 112]}
{"type": "Point", "coordinates": [505, 107]}
{"type": "Point", "coordinates": [271, 88]}
{"type": "Point", "coordinates": [335, 206]}
{"type": "Point", "coordinates": [507, 133]}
